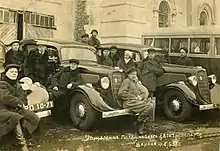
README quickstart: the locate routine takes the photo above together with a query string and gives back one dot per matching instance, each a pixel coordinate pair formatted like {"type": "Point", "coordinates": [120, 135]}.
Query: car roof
{"type": "Point", "coordinates": [128, 46]}
{"type": "Point", "coordinates": [56, 42]}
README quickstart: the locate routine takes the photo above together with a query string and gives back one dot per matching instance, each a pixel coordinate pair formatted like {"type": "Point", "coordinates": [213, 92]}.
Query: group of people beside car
{"type": "Point", "coordinates": [136, 90]}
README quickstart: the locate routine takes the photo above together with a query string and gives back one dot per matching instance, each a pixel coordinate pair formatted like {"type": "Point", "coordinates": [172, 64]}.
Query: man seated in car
{"type": "Point", "coordinates": [104, 59]}
{"type": "Point", "coordinates": [135, 97]}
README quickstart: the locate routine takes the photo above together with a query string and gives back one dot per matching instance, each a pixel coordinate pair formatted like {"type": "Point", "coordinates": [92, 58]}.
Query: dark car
{"type": "Point", "coordinates": [180, 88]}
{"type": "Point", "coordinates": [86, 102]}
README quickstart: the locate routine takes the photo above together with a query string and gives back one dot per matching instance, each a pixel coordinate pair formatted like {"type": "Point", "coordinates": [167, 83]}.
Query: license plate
{"type": "Point", "coordinates": [40, 106]}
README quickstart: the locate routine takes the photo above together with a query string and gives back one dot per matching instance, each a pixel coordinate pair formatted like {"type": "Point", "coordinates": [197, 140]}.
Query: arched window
{"type": "Point", "coordinates": [203, 18]}
{"type": "Point", "coordinates": [164, 10]}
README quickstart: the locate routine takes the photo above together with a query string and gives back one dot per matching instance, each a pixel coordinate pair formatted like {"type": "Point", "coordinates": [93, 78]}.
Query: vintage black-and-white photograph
{"type": "Point", "coordinates": [110, 75]}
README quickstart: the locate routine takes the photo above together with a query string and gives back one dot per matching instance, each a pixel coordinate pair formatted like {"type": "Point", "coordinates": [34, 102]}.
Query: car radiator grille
{"type": "Point", "coordinates": [203, 85]}
{"type": "Point", "coordinates": [116, 82]}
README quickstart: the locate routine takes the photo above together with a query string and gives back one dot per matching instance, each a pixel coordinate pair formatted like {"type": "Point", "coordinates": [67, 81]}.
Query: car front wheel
{"type": "Point", "coordinates": [82, 114]}
{"type": "Point", "coordinates": [176, 106]}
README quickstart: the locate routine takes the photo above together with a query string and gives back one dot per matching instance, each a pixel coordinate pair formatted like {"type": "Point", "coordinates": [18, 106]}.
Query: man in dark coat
{"type": "Point", "coordinates": [113, 55]}
{"type": "Point", "coordinates": [184, 60]}
{"type": "Point", "coordinates": [149, 69]}
{"type": "Point", "coordinates": [37, 64]}
{"type": "Point", "coordinates": [105, 59]}
{"type": "Point", "coordinates": [14, 55]}
{"type": "Point", "coordinates": [12, 113]}
{"type": "Point", "coordinates": [127, 61]}
{"type": "Point", "coordinates": [93, 40]}
{"type": "Point", "coordinates": [85, 39]}
{"type": "Point", "coordinates": [135, 97]}
{"type": "Point", "coordinates": [61, 84]}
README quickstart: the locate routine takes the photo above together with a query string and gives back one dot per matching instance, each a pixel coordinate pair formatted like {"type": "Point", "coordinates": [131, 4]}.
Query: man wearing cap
{"type": "Point", "coordinates": [184, 59]}
{"type": "Point", "coordinates": [104, 59]}
{"type": "Point", "coordinates": [113, 55]}
{"type": "Point", "coordinates": [37, 64]}
{"type": "Point", "coordinates": [134, 96]}
{"type": "Point", "coordinates": [14, 55]}
{"type": "Point", "coordinates": [85, 39]}
{"type": "Point", "coordinates": [66, 79]}
{"type": "Point", "coordinates": [148, 70]}
{"type": "Point", "coordinates": [93, 40]}
{"type": "Point", "coordinates": [126, 62]}
{"type": "Point", "coordinates": [12, 114]}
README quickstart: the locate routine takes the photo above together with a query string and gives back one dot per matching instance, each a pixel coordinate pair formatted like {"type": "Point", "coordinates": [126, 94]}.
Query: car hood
{"type": "Point", "coordinates": [92, 67]}
{"type": "Point", "coordinates": [173, 68]}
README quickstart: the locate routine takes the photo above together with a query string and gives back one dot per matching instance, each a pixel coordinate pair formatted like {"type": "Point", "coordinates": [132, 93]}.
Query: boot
{"type": "Point", "coordinates": [20, 137]}
{"type": "Point", "coordinates": [141, 128]}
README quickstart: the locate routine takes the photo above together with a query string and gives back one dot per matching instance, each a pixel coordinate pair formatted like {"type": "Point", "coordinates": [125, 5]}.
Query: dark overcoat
{"type": "Point", "coordinates": [125, 66]}
{"type": "Point", "coordinates": [93, 41]}
{"type": "Point", "coordinates": [14, 57]}
{"type": "Point", "coordinates": [185, 61]}
{"type": "Point", "coordinates": [148, 71]}
{"type": "Point", "coordinates": [10, 115]}
{"type": "Point", "coordinates": [63, 78]}
{"type": "Point", "coordinates": [36, 66]}
{"type": "Point", "coordinates": [106, 61]}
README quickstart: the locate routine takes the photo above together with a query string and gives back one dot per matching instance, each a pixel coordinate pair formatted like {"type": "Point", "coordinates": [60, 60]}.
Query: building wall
{"type": "Point", "coordinates": [126, 20]}
{"type": "Point", "coordinates": [63, 10]}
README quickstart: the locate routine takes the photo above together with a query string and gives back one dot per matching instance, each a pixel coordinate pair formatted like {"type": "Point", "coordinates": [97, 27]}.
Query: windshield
{"type": "Point", "coordinates": [78, 53]}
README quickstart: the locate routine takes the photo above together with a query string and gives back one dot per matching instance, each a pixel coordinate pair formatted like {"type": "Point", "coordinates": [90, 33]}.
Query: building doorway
{"type": "Point", "coordinates": [20, 25]}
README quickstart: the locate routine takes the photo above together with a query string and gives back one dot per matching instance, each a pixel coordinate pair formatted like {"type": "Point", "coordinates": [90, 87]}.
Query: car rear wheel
{"type": "Point", "coordinates": [82, 114]}
{"type": "Point", "coordinates": [176, 106]}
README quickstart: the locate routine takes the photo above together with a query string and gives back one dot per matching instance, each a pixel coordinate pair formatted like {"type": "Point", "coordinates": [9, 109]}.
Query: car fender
{"type": "Point", "coordinates": [94, 98]}
{"type": "Point", "coordinates": [185, 90]}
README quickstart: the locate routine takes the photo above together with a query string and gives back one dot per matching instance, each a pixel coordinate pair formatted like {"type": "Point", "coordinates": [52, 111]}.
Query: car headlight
{"type": "Point", "coordinates": [193, 80]}
{"type": "Point", "coordinates": [105, 82]}
{"type": "Point", "coordinates": [213, 78]}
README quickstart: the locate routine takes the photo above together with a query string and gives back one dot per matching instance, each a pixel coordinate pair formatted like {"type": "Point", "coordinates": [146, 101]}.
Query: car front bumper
{"type": "Point", "coordinates": [208, 107]}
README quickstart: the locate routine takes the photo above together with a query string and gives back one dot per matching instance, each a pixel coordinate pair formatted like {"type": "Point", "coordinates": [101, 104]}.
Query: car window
{"type": "Point", "coordinates": [148, 42]}
{"type": "Point", "coordinates": [162, 43]}
{"type": "Point", "coordinates": [199, 45]}
{"type": "Point", "coordinates": [177, 43]}
{"type": "Point", "coordinates": [78, 53]}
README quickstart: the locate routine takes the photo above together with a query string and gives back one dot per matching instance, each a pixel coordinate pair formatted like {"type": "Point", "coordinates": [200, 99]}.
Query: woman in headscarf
{"type": "Point", "coordinates": [126, 62]}
{"type": "Point", "coordinates": [12, 114]}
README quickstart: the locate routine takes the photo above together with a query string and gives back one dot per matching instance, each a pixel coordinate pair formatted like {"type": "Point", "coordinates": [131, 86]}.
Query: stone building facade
{"type": "Point", "coordinates": [126, 20]}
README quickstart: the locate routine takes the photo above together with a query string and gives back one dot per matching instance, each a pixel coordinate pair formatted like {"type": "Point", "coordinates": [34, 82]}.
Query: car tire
{"type": "Point", "coordinates": [176, 106]}
{"type": "Point", "coordinates": [85, 119]}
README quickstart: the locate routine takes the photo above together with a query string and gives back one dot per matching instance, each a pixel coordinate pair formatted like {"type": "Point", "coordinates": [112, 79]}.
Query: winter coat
{"type": "Point", "coordinates": [14, 57]}
{"type": "Point", "coordinates": [148, 71]}
{"type": "Point", "coordinates": [93, 41]}
{"type": "Point", "coordinates": [125, 66]}
{"type": "Point", "coordinates": [37, 66]}
{"type": "Point", "coordinates": [129, 92]}
{"type": "Point", "coordinates": [114, 58]}
{"type": "Point", "coordinates": [185, 61]}
{"type": "Point", "coordinates": [66, 76]}
{"type": "Point", "coordinates": [10, 115]}
{"type": "Point", "coordinates": [106, 61]}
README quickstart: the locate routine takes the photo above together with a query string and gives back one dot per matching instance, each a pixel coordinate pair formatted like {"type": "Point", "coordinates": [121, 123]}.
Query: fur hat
{"type": "Point", "coordinates": [11, 66]}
